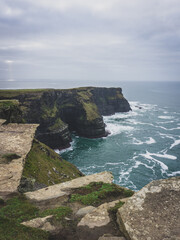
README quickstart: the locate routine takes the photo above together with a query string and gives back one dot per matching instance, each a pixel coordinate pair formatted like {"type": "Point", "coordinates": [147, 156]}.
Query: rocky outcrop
{"type": "Point", "coordinates": [54, 196]}
{"type": "Point", "coordinates": [16, 141]}
{"type": "Point", "coordinates": [98, 222]}
{"type": "Point", "coordinates": [153, 213]}
{"type": "Point", "coordinates": [10, 110]}
{"type": "Point", "coordinates": [58, 112]}
{"type": "Point", "coordinates": [41, 223]}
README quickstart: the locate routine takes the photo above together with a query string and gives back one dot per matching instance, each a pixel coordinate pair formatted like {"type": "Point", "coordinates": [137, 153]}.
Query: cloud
{"type": "Point", "coordinates": [97, 39]}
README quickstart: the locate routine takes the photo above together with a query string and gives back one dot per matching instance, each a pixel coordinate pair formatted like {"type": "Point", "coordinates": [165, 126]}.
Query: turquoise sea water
{"type": "Point", "coordinates": [143, 145]}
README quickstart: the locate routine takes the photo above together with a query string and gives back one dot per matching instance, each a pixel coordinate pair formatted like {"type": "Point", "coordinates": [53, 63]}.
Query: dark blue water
{"type": "Point", "coordinates": [144, 144]}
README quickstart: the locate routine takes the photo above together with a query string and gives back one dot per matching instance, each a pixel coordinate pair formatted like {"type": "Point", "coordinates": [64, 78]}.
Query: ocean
{"type": "Point", "coordinates": [143, 144]}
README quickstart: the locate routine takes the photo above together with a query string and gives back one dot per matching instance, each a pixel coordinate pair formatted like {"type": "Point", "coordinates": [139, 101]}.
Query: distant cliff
{"type": "Point", "coordinates": [58, 112]}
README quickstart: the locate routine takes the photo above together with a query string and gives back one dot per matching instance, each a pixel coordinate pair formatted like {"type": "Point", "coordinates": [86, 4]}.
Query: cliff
{"type": "Point", "coordinates": [27, 164]}
{"type": "Point", "coordinates": [59, 112]}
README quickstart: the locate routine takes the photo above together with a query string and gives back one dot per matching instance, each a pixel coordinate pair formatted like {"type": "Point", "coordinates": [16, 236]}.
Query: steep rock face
{"type": "Point", "coordinates": [10, 110]}
{"type": "Point", "coordinates": [110, 100]}
{"type": "Point", "coordinates": [153, 213]}
{"type": "Point", "coordinates": [60, 111]}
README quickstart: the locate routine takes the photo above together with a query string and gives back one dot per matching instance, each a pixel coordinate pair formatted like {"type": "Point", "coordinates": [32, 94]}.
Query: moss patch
{"type": "Point", "coordinates": [7, 158]}
{"type": "Point", "coordinates": [5, 104]}
{"type": "Point", "coordinates": [49, 111]}
{"type": "Point", "coordinates": [59, 124]}
{"type": "Point", "coordinates": [10, 229]}
{"type": "Point", "coordinates": [95, 193]}
{"type": "Point", "coordinates": [59, 212]}
{"type": "Point", "coordinates": [47, 167]}
{"type": "Point", "coordinates": [114, 209]}
{"type": "Point", "coordinates": [16, 93]}
{"type": "Point", "coordinates": [17, 210]}
{"type": "Point", "coordinates": [91, 110]}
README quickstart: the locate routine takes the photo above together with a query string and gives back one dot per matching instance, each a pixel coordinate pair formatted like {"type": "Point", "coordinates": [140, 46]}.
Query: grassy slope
{"type": "Point", "coordinates": [47, 167]}
{"type": "Point", "coordinates": [17, 210]}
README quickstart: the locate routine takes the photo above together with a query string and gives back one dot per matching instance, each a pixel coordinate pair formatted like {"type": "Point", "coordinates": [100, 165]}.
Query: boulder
{"type": "Point", "coordinates": [55, 195]}
{"type": "Point", "coordinates": [83, 211]}
{"type": "Point", "coordinates": [41, 223]}
{"type": "Point", "coordinates": [95, 224]}
{"type": "Point", "coordinates": [153, 213]}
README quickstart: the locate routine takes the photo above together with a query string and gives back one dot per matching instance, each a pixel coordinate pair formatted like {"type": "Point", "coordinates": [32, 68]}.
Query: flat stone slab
{"type": "Point", "coordinates": [83, 211]}
{"type": "Point", "coordinates": [153, 213]}
{"type": "Point", "coordinates": [41, 223]}
{"type": "Point", "coordinates": [62, 190]}
{"type": "Point", "coordinates": [98, 217]}
{"type": "Point", "coordinates": [16, 141]}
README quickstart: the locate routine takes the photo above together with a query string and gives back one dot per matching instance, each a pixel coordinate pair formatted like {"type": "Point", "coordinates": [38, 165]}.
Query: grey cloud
{"type": "Point", "coordinates": [97, 39]}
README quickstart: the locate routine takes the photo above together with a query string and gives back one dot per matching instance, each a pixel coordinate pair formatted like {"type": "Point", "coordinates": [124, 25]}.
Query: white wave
{"type": "Point", "coordinates": [149, 155]}
{"type": "Point", "coordinates": [138, 142]}
{"type": "Point", "coordinates": [176, 142]}
{"type": "Point", "coordinates": [118, 116]}
{"type": "Point", "coordinates": [166, 122]}
{"type": "Point", "coordinates": [173, 174]}
{"type": "Point", "coordinates": [141, 106]}
{"type": "Point", "coordinates": [165, 117]}
{"type": "Point", "coordinates": [66, 149]}
{"type": "Point", "coordinates": [169, 129]}
{"type": "Point", "coordinates": [150, 141]}
{"type": "Point", "coordinates": [115, 129]}
{"type": "Point", "coordinates": [134, 122]}
{"type": "Point", "coordinates": [114, 164]}
{"type": "Point", "coordinates": [168, 156]}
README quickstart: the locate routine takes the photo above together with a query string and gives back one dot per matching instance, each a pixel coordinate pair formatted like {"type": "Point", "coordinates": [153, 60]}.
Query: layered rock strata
{"type": "Point", "coordinates": [58, 112]}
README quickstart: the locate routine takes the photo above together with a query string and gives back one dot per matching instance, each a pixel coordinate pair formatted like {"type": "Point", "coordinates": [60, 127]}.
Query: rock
{"type": "Point", "coordinates": [57, 194]}
{"type": "Point", "coordinates": [83, 211]}
{"type": "Point", "coordinates": [58, 112]}
{"type": "Point", "coordinates": [95, 224]}
{"type": "Point", "coordinates": [2, 121]}
{"type": "Point", "coordinates": [15, 145]}
{"type": "Point", "coordinates": [41, 223]}
{"type": "Point", "coordinates": [153, 213]}
{"type": "Point", "coordinates": [110, 237]}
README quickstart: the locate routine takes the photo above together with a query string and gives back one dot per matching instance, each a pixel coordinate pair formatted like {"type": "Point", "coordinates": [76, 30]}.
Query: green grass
{"type": "Point", "coordinates": [91, 110]}
{"type": "Point", "coordinates": [11, 230]}
{"type": "Point", "coordinates": [15, 93]}
{"type": "Point", "coordinates": [47, 167]}
{"type": "Point", "coordinates": [57, 125]}
{"type": "Point", "coordinates": [17, 210]}
{"type": "Point", "coordinates": [96, 192]}
{"type": "Point", "coordinates": [8, 103]}
{"type": "Point", "coordinates": [59, 212]}
{"type": "Point", "coordinates": [114, 209]}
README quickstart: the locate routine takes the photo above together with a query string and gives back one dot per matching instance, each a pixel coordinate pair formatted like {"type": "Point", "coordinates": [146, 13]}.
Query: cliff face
{"type": "Point", "coordinates": [60, 111]}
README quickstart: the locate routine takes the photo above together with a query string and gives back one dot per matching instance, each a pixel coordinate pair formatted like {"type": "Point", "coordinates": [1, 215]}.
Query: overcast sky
{"type": "Point", "coordinates": [98, 40]}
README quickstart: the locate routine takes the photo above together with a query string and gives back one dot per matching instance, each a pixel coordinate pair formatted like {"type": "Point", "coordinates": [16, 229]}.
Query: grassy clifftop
{"type": "Point", "coordinates": [44, 167]}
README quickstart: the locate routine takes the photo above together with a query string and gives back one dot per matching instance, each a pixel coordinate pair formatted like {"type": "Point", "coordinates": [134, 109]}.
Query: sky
{"type": "Point", "coordinates": [96, 40]}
